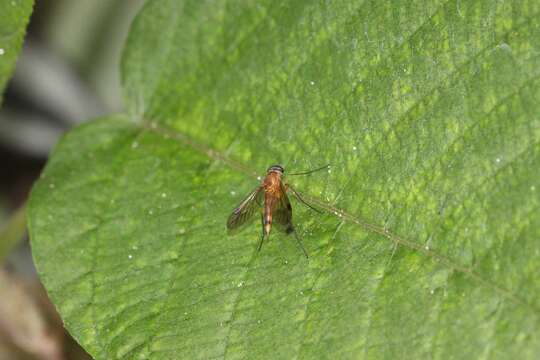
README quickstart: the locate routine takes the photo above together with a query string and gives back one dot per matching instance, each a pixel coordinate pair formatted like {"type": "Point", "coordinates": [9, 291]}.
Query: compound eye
{"type": "Point", "coordinates": [275, 168]}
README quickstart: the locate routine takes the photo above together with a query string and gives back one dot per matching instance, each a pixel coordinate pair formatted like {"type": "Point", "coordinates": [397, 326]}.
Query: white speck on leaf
{"type": "Point", "coordinates": [134, 145]}
{"type": "Point", "coordinates": [312, 82]}
{"type": "Point", "coordinates": [233, 192]}
{"type": "Point", "coordinates": [2, 51]}
{"type": "Point", "coordinates": [505, 47]}
{"type": "Point", "coordinates": [533, 188]}
{"type": "Point", "coordinates": [498, 160]}
{"type": "Point", "coordinates": [354, 148]}
{"type": "Point", "coordinates": [150, 212]}
{"type": "Point", "coordinates": [163, 195]}
{"type": "Point", "coordinates": [130, 256]}
{"type": "Point", "coordinates": [240, 284]}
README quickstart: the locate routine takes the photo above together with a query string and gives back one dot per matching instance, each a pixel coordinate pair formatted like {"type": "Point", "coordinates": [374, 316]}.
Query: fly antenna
{"type": "Point", "coordinates": [327, 166]}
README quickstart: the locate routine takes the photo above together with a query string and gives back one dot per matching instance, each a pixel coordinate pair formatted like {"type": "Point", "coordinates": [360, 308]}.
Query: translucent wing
{"type": "Point", "coordinates": [247, 208]}
{"type": "Point", "coordinates": [282, 213]}
{"type": "Point", "coordinates": [283, 218]}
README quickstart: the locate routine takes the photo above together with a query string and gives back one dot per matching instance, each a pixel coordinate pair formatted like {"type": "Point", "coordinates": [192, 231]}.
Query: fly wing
{"type": "Point", "coordinates": [283, 213]}
{"type": "Point", "coordinates": [283, 218]}
{"type": "Point", "coordinates": [247, 208]}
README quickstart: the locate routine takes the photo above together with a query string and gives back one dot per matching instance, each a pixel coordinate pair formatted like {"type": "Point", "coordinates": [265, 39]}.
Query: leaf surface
{"type": "Point", "coordinates": [428, 242]}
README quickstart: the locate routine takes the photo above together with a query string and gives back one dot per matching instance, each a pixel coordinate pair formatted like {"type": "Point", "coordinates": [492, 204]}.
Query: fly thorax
{"type": "Point", "coordinates": [272, 184]}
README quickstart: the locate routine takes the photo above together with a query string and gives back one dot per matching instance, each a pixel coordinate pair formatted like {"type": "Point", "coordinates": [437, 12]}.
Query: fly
{"type": "Point", "coordinates": [271, 200]}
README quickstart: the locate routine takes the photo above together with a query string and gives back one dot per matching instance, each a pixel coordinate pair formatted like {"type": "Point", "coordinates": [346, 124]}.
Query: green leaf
{"type": "Point", "coordinates": [14, 15]}
{"type": "Point", "coordinates": [428, 242]}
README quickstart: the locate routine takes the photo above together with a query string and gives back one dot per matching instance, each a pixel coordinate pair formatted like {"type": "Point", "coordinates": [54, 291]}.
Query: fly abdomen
{"type": "Point", "coordinates": [267, 218]}
{"type": "Point", "coordinates": [267, 223]}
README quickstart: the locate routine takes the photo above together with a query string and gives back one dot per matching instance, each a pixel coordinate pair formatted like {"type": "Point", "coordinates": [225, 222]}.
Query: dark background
{"type": "Point", "coordinates": [67, 73]}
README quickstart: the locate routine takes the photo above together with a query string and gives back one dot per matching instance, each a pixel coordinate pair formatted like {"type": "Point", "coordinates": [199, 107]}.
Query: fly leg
{"type": "Point", "coordinates": [297, 196]}
{"type": "Point", "coordinates": [300, 245]}
{"type": "Point", "coordinates": [263, 235]}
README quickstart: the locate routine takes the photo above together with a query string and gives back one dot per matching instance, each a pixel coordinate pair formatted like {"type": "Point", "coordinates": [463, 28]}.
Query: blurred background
{"type": "Point", "coordinates": [68, 72]}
